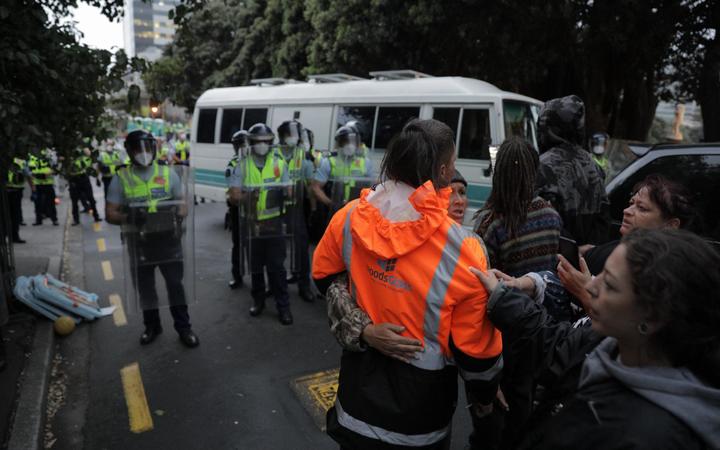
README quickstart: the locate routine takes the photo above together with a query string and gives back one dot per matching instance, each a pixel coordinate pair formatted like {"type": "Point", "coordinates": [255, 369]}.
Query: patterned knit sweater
{"type": "Point", "coordinates": [535, 245]}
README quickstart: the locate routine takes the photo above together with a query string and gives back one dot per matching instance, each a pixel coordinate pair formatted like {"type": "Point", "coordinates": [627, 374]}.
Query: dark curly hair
{"type": "Point", "coordinates": [672, 198]}
{"type": "Point", "coordinates": [676, 278]}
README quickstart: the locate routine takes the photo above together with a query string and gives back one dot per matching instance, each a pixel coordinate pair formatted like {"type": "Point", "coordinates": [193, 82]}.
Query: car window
{"type": "Point", "coordinates": [206, 126]}
{"type": "Point", "coordinates": [365, 118]}
{"type": "Point", "coordinates": [475, 136]}
{"type": "Point", "coordinates": [231, 122]}
{"type": "Point", "coordinates": [253, 116]}
{"type": "Point", "coordinates": [700, 174]}
{"type": "Point", "coordinates": [391, 120]}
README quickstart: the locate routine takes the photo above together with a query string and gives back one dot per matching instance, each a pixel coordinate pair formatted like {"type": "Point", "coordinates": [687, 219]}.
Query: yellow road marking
{"type": "Point", "coordinates": [101, 245]}
{"type": "Point", "coordinates": [97, 226]}
{"type": "Point", "coordinates": [107, 270]}
{"type": "Point", "coordinates": [119, 314]}
{"type": "Point", "coordinates": [317, 392]}
{"type": "Point", "coordinates": [137, 405]}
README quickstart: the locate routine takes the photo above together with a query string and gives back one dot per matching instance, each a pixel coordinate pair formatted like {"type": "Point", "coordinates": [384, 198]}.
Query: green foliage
{"type": "Point", "coordinates": [613, 53]}
{"type": "Point", "coordinates": [52, 89]}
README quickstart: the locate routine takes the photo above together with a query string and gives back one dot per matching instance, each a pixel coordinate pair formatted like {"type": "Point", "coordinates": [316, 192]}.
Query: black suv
{"type": "Point", "coordinates": [696, 166]}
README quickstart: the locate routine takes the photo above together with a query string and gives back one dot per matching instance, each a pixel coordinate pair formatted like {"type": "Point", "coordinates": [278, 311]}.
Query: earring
{"type": "Point", "coordinates": [643, 328]}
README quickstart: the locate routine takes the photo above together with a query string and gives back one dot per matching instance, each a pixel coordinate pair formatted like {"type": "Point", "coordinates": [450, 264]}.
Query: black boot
{"type": "Point", "coordinates": [285, 316]}
{"type": "Point", "coordinates": [306, 294]}
{"type": "Point", "coordinates": [236, 283]}
{"type": "Point", "coordinates": [257, 308]}
{"type": "Point", "coordinates": [150, 334]}
{"type": "Point", "coordinates": [188, 338]}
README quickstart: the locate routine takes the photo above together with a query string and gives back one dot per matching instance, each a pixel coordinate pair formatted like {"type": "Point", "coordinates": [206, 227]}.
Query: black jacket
{"type": "Point", "coordinates": [605, 415]}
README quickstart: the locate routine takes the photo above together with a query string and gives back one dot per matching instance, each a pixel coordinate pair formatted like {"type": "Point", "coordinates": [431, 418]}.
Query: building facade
{"type": "Point", "coordinates": [146, 27]}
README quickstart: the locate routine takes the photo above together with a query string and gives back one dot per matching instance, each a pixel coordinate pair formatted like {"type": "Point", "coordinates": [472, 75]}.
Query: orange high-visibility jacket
{"type": "Point", "coordinates": [412, 273]}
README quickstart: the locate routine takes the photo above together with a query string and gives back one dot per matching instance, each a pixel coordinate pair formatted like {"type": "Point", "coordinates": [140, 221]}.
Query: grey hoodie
{"type": "Point", "coordinates": [676, 390]}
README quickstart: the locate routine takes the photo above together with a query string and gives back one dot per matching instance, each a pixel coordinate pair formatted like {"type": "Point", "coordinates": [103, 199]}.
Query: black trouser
{"type": "Point", "coordinates": [45, 203]}
{"type": "Point", "coordinates": [81, 189]}
{"type": "Point", "coordinates": [15, 203]}
{"type": "Point", "coordinates": [301, 253]}
{"type": "Point", "coordinates": [144, 280]}
{"type": "Point", "coordinates": [237, 261]}
{"type": "Point", "coordinates": [106, 183]}
{"type": "Point", "coordinates": [269, 253]}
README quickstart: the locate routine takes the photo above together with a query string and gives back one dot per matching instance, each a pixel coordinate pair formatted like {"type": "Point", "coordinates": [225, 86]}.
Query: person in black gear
{"type": "Point", "coordinates": [43, 178]}
{"type": "Point", "coordinates": [300, 171]}
{"type": "Point", "coordinates": [154, 232]}
{"type": "Point", "coordinates": [18, 175]}
{"type": "Point", "coordinates": [80, 187]}
{"type": "Point", "coordinates": [240, 147]}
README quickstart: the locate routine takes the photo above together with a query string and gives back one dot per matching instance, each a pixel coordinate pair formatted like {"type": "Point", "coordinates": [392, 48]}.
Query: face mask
{"type": "Point", "coordinates": [598, 149]}
{"type": "Point", "coordinates": [348, 150]}
{"type": "Point", "coordinates": [143, 158]}
{"type": "Point", "coordinates": [291, 140]}
{"type": "Point", "coordinates": [260, 149]}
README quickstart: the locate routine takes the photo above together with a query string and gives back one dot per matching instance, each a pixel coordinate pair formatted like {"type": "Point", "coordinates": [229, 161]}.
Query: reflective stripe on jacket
{"type": "Point", "coordinates": [414, 274]}
{"type": "Point", "coordinates": [153, 191]}
{"type": "Point", "coordinates": [267, 206]}
{"type": "Point", "coordinates": [42, 173]}
{"type": "Point", "coordinates": [111, 162]}
{"type": "Point", "coordinates": [340, 169]}
{"type": "Point", "coordinates": [16, 174]}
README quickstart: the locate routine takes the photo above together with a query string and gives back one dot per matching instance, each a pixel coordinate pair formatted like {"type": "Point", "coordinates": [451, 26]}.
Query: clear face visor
{"type": "Point", "coordinates": [260, 148]}
{"type": "Point", "coordinates": [290, 137]}
{"type": "Point", "coordinates": [143, 151]}
{"type": "Point", "coordinates": [347, 144]}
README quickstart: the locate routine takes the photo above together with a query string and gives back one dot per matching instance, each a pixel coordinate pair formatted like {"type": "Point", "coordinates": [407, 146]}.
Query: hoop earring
{"type": "Point", "coordinates": [643, 328]}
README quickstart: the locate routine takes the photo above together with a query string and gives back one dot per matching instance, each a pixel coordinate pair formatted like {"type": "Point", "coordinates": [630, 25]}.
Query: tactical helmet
{"type": "Point", "coordinates": [260, 133]}
{"type": "Point", "coordinates": [288, 131]}
{"type": "Point", "coordinates": [347, 135]}
{"type": "Point", "coordinates": [140, 141]}
{"type": "Point", "coordinates": [308, 138]}
{"type": "Point", "coordinates": [239, 140]}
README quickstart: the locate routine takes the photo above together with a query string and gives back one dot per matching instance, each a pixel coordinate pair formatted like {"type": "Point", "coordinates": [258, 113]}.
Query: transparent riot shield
{"type": "Point", "coordinates": [266, 235]}
{"type": "Point", "coordinates": [158, 236]}
{"type": "Point", "coordinates": [348, 183]}
{"type": "Point", "coordinates": [294, 157]}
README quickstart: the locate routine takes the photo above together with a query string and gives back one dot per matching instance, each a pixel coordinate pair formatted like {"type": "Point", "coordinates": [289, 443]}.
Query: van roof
{"type": "Point", "coordinates": [420, 90]}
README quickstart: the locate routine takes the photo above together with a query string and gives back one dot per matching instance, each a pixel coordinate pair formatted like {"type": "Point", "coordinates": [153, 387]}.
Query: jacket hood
{"type": "Point", "coordinates": [674, 389]}
{"type": "Point", "coordinates": [395, 219]}
{"type": "Point", "coordinates": [561, 123]}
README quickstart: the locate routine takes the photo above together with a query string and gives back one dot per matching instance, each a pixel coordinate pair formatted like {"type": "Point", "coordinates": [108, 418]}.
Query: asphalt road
{"type": "Point", "coordinates": [233, 391]}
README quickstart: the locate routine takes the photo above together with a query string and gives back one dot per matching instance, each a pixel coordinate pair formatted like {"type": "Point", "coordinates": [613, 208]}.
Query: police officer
{"type": "Point", "coordinates": [598, 147]}
{"type": "Point", "coordinates": [80, 188]}
{"type": "Point", "coordinates": [345, 170]}
{"type": "Point", "coordinates": [18, 175]}
{"type": "Point", "coordinates": [150, 241]}
{"type": "Point", "coordinates": [182, 151]}
{"type": "Point", "coordinates": [300, 170]}
{"type": "Point", "coordinates": [108, 163]}
{"type": "Point", "coordinates": [163, 152]}
{"type": "Point", "coordinates": [43, 178]}
{"type": "Point", "coordinates": [260, 184]}
{"type": "Point", "coordinates": [240, 147]}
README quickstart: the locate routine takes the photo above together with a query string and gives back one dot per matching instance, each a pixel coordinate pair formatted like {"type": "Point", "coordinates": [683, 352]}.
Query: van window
{"type": "Point", "coordinates": [365, 117]}
{"type": "Point", "coordinates": [253, 116]}
{"type": "Point", "coordinates": [231, 123]}
{"type": "Point", "coordinates": [520, 120]}
{"type": "Point", "coordinates": [391, 120]}
{"type": "Point", "coordinates": [206, 126]}
{"type": "Point", "coordinates": [475, 136]}
{"type": "Point", "coordinates": [448, 116]}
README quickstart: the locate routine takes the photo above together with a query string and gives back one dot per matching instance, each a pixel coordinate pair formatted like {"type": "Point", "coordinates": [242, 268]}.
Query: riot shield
{"type": "Point", "coordinates": [348, 183]}
{"type": "Point", "coordinates": [158, 236]}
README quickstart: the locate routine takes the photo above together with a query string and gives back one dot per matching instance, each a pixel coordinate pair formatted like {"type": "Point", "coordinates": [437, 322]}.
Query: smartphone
{"type": "Point", "coordinates": [569, 249]}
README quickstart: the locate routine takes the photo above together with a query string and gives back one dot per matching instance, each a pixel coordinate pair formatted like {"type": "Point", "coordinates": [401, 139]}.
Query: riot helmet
{"type": "Point", "coordinates": [599, 143]}
{"type": "Point", "coordinates": [290, 132]}
{"type": "Point", "coordinates": [240, 142]}
{"type": "Point", "coordinates": [141, 147]}
{"type": "Point", "coordinates": [347, 140]}
{"type": "Point", "coordinates": [261, 138]}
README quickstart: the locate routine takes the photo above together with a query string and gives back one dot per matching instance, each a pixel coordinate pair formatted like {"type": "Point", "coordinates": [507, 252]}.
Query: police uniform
{"type": "Point", "coordinates": [80, 187]}
{"type": "Point", "coordinates": [17, 176]}
{"type": "Point", "coordinates": [182, 151]}
{"type": "Point", "coordinates": [234, 214]}
{"type": "Point", "coordinates": [109, 163]}
{"type": "Point", "coordinates": [44, 181]}
{"type": "Point", "coordinates": [335, 168]}
{"type": "Point", "coordinates": [263, 225]}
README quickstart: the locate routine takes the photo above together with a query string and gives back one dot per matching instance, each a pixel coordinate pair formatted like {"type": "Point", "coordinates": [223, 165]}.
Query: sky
{"type": "Point", "coordinates": [98, 31]}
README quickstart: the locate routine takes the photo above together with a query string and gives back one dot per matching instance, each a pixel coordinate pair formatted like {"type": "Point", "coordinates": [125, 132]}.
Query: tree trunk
{"type": "Point", "coordinates": [637, 109]}
{"type": "Point", "coordinates": [709, 95]}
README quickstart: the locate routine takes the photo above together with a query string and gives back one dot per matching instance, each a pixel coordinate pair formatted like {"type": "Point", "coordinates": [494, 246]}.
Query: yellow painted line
{"type": "Point", "coordinates": [97, 226]}
{"type": "Point", "coordinates": [119, 314]}
{"type": "Point", "coordinates": [101, 245]}
{"type": "Point", "coordinates": [137, 405]}
{"type": "Point", "coordinates": [107, 270]}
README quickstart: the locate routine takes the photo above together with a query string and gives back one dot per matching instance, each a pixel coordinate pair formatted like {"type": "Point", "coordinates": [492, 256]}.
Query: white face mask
{"type": "Point", "coordinates": [143, 158]}
{"type": "Point", "coordinates": [348, 150]}
{"type": "Point", "coordinates": [598, 149]}
{"type": "Point", "coordinates": [260, 149]}
{"type": "Point", "coordinates": [291, 140]}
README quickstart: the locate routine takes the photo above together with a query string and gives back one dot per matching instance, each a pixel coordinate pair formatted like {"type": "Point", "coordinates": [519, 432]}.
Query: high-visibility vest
{"type": "Point", "coordinates": [414, 274]}
{"type": "Point", "coordinates": [601, 161]}
{"type": "Point", "coordinates": [42, 173]}
{"type": "Point", "coordinates": [231, 165]}
{"type": "Point", "coordinates": [152, 191]}
{"type": "Point", "coordinates": [181, 149]}
{"type": "Point", "coordinates": [266, 207]}
{"type": "Point", "coordinates": [340, 169]}
{"type": "Point", "coordinates": [111, 160]}
{"type": "Point", "coordinates": [80, 165]}
{"type": "Point", "coordinates": [16, 174]}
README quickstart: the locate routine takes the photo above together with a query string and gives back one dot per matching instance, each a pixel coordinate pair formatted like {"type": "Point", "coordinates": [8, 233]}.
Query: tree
{"type": "Point", "coordinates": [52, 89]}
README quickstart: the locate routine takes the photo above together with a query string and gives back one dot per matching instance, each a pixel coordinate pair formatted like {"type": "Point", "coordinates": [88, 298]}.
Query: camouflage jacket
{"type": "Point", "coordinates": [347, 320]}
